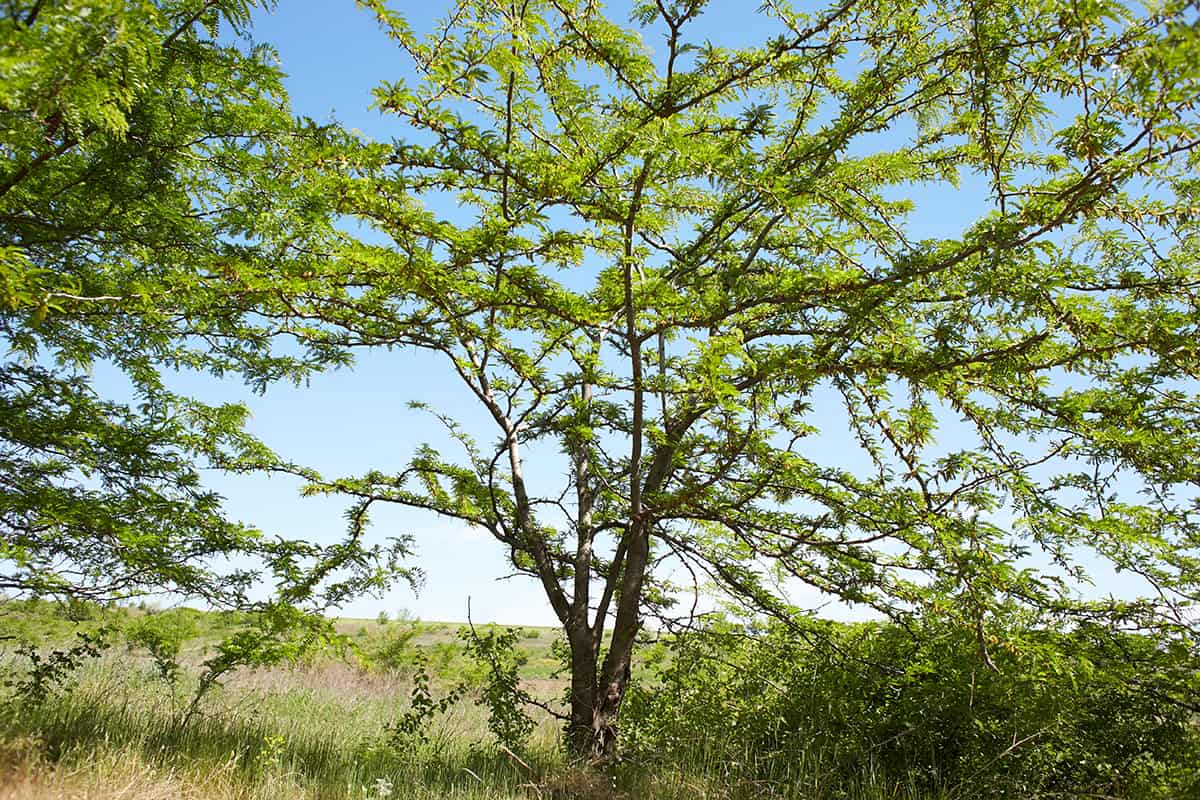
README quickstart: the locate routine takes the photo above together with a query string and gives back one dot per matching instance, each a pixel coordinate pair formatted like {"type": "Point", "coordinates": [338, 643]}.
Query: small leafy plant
{"type": "Point", "coordinates": [49, 673]}
{"type": "Point", "coordinates": [411, 729]}
{"type": "Point", "coordinates": [162, 636]}
{"type": "Point", "coordinates": [496, 652]}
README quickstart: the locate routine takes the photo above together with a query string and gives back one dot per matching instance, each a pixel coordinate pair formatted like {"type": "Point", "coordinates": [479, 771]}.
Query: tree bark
{"type": "Point", "coordinates": [595, 705]}
{"type": "Point", "coordinates": [597, 693]}
{"type": "Point", "coordinates": [583, 699]}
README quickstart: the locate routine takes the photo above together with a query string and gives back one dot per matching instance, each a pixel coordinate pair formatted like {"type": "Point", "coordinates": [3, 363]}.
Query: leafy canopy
{"type": "Point", "coordinates": [147, 163]}
{"type": "Point", "coordinates": [687, 266]}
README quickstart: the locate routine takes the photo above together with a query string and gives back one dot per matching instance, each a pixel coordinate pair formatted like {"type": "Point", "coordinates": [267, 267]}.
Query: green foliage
{"type": "Point", "coordinates": [1087, 713]}
{"type": "Point", "coordinates": [277, 632]}
{"type": "Point", "coordinates": [163, 635]}
{"type": "Point", "coordinates": [495, 651]}
{"type": "Point", "coordinates": [488, 663]}
{"type": "Point", "coordinates": [42, 622]}
{"type": "Point", "coordinates": [77, 610]}
{"type": "Point", "coordinates": [704, 275]}
{"type": "Point", "coordinates": [392, 649]}
{"type": "Point", "coordinates": [99, 197]}
{"type": "Point", "coordinates": [49, 673]}
{"type": "Point", "coordinates": [411, 729]}
{"type": "Point", "coordinates": [682, 268]}
{"type": "Point", "coordinates": [150, 166]}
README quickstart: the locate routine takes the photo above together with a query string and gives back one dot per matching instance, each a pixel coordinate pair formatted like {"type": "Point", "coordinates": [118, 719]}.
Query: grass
{"type": "Point", "coordinates": [316, 731]}
{"type": "Point", "coordinates": [319, 729]}
{"type": "Point", "coordinates": [313, 732]}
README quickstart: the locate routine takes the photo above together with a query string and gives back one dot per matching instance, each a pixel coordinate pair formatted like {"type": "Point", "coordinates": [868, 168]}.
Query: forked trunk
{"type": "Point", "coordinates": [595, 705]}
{"type": "Point", "coordinates": [598, 690]}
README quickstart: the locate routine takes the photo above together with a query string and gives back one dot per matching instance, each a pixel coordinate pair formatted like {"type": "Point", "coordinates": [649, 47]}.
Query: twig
{"type": "Point", "coordinates": [516, 758]}
{"type": "Point", "coordinates": [1016, 743]}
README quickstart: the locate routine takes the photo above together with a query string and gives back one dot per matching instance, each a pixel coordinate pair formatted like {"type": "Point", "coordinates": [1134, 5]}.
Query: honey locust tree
{"type": "Point", "coordinates": [675, 273]}
{"type": "Point", "coordinates": [146, 151]}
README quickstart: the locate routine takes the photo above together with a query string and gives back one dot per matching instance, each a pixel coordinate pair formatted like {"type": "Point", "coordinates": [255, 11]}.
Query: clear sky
{"type": "Point", "coordinates": [351, 421]}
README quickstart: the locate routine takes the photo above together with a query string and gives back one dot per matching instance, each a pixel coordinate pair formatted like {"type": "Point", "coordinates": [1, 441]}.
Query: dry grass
{"type": "Point", "coordinates": [314, 731]}
{"type": "Point", "coordinates": [116, 774]}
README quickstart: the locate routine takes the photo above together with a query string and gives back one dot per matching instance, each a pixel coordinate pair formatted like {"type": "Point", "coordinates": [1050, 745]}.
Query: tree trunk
{"type": "Point", "coordinates": [592, 728]}
{"type": "Point", "coordinates": [604, 718]}
{"type": "Point", "coordinates": [583, 697]}
{"type": "Point", "coordinates": [596, 693]}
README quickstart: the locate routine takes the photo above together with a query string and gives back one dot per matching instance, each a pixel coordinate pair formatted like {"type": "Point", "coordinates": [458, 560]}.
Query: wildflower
{"type": "Point", "coordinates": [383, 789]}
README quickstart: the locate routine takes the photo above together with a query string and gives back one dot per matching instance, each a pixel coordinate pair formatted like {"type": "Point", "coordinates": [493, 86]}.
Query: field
{"type": "Point", "coordinates": [318, 728]}
{"type": "Point", "coordinates": [380, 718]}
{"type": "Point", "coordinates": [313, 729]}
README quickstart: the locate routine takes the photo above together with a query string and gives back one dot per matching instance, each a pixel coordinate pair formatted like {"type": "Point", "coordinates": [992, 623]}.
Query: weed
{"type": "Point", "coordinates": [412, 727]}
{"type": "Point", "coordinates": [47, 674]}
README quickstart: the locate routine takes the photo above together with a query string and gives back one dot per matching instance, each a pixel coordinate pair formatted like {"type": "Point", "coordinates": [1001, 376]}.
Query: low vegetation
{"type": "Point", "coordinates": [412, 709]}
{"type": "Point", "coordinates": [919, 713]}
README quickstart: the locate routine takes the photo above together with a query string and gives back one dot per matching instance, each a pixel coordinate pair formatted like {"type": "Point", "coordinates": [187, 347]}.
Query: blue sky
{"type": "Point", "coordinates": [350, 421]}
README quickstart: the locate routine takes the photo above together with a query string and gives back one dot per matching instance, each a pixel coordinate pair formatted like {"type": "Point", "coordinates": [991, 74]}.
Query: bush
{"type": "Point", "coordinates": [1086, 712]}
{"type": "Point", "coordinates": [163, 636]}
{"type": "Point", "coordinates": [50, 672]}
{"type": "Point", "coordinates": [495, 653]}
{"type": "Point", "coordinates": [75, 610]}
{"type": "Point", "coordinates": [392, 649]}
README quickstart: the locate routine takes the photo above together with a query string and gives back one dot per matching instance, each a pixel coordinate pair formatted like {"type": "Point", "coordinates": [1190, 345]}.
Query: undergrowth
{"type": "Point", "coordinates": [842, 712]}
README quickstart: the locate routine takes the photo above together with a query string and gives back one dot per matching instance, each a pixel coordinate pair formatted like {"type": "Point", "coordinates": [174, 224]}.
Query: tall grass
{"type": "Point", "coordinates": [320, 731]}
{"type": "Point", "coordinates": [277, 731]}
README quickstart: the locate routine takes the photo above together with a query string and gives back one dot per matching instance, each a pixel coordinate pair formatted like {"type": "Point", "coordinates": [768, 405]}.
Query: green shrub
{"type": "Point", "coordinates": [162, 636]}
{"type": "Point", "coordinates": [495, 653]}
{"type": "Point", "coordinates": [75, 610]}
{"type": "Point", "coordinates": [1090, 712]}
{"type": "Point", "coordinates": [392, 649]}
{"type": "Point", "coordinates": [50, 672]}
{"type": "Point", "coordinates": [410, 730]}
